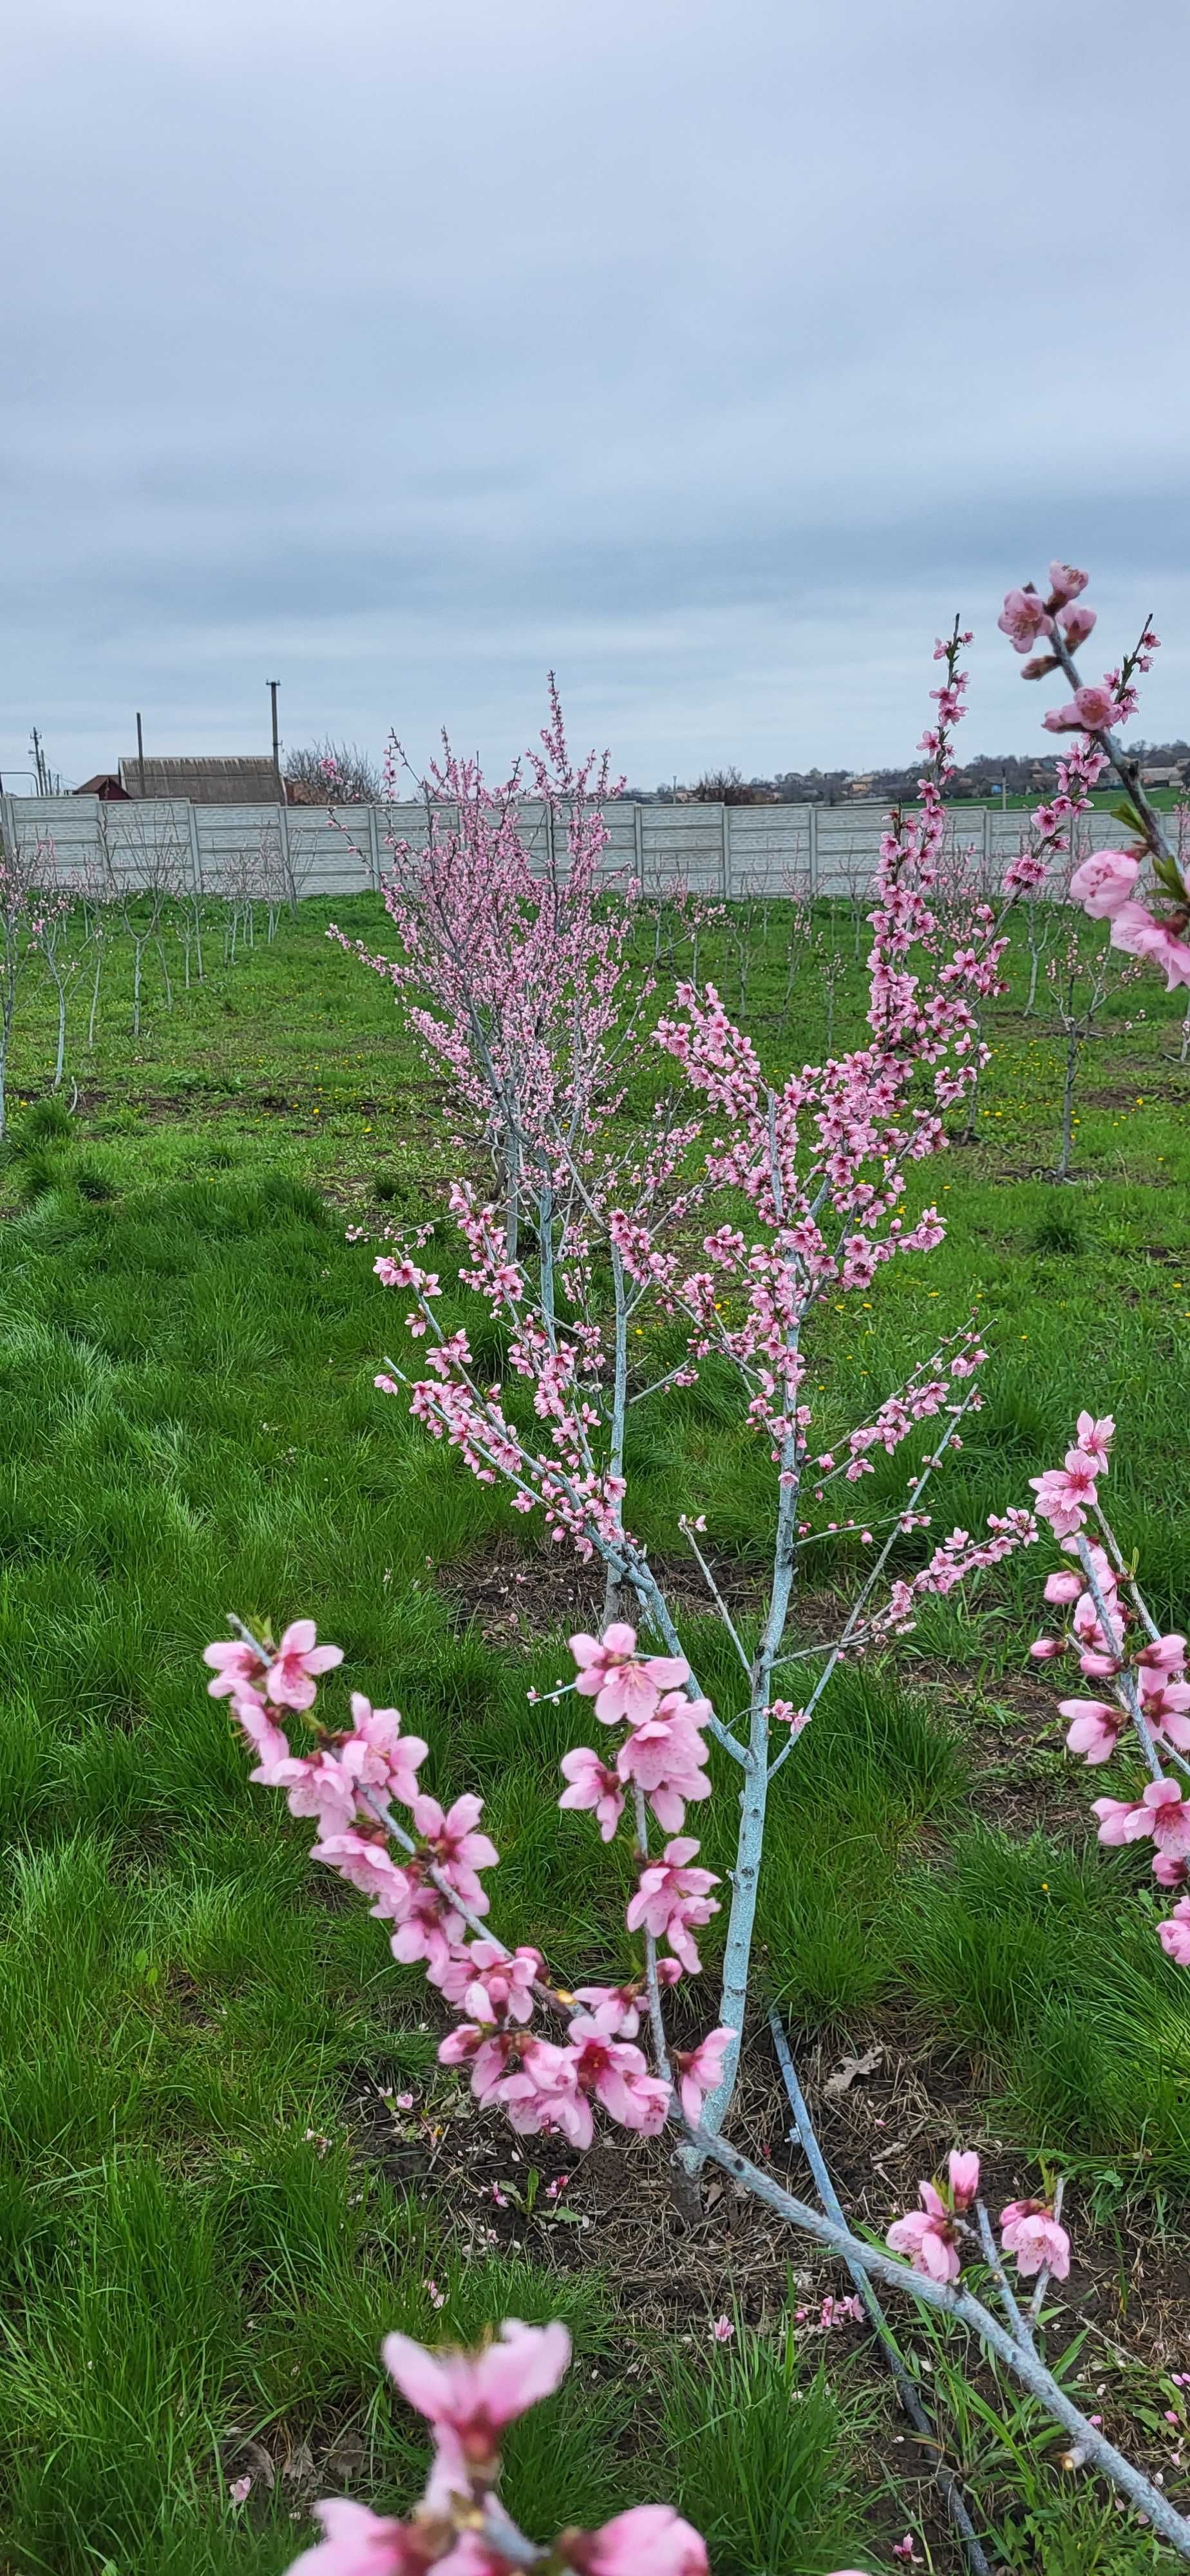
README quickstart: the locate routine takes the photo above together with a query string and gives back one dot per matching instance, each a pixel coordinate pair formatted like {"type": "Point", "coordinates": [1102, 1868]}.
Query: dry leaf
{"type": "Point", "coordinates": [846, 2072]}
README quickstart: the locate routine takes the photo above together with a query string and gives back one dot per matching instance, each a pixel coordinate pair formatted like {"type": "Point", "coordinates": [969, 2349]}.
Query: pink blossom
{"type": "Point", "coordinates": [369, 1865]}
{"type": "Point", "coordinates": [1164, 1703]}
{"type": "Point", "coordinates": [315, 1785]}
{"type": "Point", "coordinates": [1094, 1728]}
{"type": "Point", "coordinates": [469, 2398]}
{"type": "Point", "coordinates": [235, 1664]}
{"type": "Point", "coordinates": [616, 2074]}
{"type": "Point", "coordinates": [379, 1755]}
{"type": "Point", "coordinates": [542, 2096]}
{"type": "Point", "coordinates": [1160, 945]}
{"type": "Point", "coordinates": [458, 1849]}
{"type": "Point", "coordinates": [1117, 1820]}
{"type": "Point", "coordinates": [1065, 583]}
{"type": "Point", "coordinates": [927, 2236]}
{"type": "Point", "coordinates": [1098, 706]}
{"type": "Point", "coordinates": [700, 2070]}
{"type": "Point", "coordinates": [496, 1986]}
{"type": "Point", "coordinates": [1174, 1934]}
{"type": "Point", "coordinates": [593, 1785]}
{"type": "Point", "coordinates": [1103, 882]}
{"type": "Point", "coordinates": [1023, 618]}
{"type": "Point", "coordinates": [622, 1684]}
{"type": "Point", "coordinates": [648, 2540]}
{"type": "Point", "coordinates": [1063, 1492]}
{"type": "Point", "coordinates": [266, 1738]}
{"type": "Point", "coordinates": [1162, 1655]}
{"type": "Point", "coordinates": [489, 2054]}
{"type": "Point", "coordinates": [618, 2010]}
{"type": "Point", "coordinates": [1164, 1813]}
{"type": "Point", "coordinates": [963, 2177]}
{"type": "Point", "coordinates": [1076, 625]}
{"type": "Point", "coordinates": [358, 2542]}
{"type": "Point", "coordinates": [722, 2330]}
{"type": "Point", "coordinates": [1132, 925]}
{"type": "Point", "coordinates": [1063, 1587]}
{"type": "Point", "coordinates": [1030, 2231]}
{"type": "Point", "coordinates": [664, 1755]}
{"type": "Point", "coordinates": [672, 1898]}
{"type": "Point", "coordinates": [1094, 1439]}
{"type": "Point", "coordinates": [292, 1679]}
{"type": "Point", "coordinates": [428, 1929]}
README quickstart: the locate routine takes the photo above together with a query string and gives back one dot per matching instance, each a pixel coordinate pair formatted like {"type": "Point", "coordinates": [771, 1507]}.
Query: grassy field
{"type": "Point", "coordinates": [211, 2205]}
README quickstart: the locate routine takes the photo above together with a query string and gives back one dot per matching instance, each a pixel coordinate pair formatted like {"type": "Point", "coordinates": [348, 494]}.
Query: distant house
{"type": "Point", "coordinates": [248, 780]}
{"type": "Point", "coordinates": [105, 784]}
{"type": "Point", "coordinates": [1164, 774]}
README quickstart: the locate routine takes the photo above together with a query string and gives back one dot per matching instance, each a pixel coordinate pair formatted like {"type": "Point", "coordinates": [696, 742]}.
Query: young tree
{"type": "Point", "coordinates": [822, 1164]}
{"type": "Point", "coordinates": [512, 962]}
{"type": "Point", "coordinates": [31, 912]}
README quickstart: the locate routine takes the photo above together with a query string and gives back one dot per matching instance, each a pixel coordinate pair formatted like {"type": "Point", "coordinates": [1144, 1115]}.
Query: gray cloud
{"type": "Point", "coordinates": [715, 355]}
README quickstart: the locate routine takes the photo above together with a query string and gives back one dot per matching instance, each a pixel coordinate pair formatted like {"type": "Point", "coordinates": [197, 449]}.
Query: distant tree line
{"type": "Point", "coordinates": [985, 776]}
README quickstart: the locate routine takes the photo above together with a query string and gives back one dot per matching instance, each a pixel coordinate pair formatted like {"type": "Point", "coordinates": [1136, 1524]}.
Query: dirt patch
{"type": "Point", "coordinates": [883, 2126]}
{"type": "Point", "coordinates": [517, 1595]}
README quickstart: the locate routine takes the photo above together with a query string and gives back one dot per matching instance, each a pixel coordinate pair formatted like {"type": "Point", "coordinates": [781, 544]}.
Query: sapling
{"type": "Point", "coordinates": [512, 964]}
{"type": "Point", "coordinates": [27, 907]}
{"type": "Point", "coordinates": [1079, 989]}
{"type": "Point", "coordinates": [821, 1164]}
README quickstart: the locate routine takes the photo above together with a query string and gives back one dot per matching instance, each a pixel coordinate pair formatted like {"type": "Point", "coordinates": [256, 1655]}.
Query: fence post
{"type": "Point", "coordinates": [195, 852]}
{"type": "Point", "coordinates": [9, 822]}
{"type": "Point", "coordinates": [374, 847]}
{"type": "Point", "coordinates": [282, 813]}
{"type": "Point", "coordinates": [638, 844]}
{"type": "Point", "coordinates": [813, 813]}
{"type": "Point", "coordinates": [725, 849]}
{"type": "Point", "coordinates": [987, 837]}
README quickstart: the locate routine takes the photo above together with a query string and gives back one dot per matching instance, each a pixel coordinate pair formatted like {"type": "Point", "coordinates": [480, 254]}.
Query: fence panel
{"type": "Point", "coordinates": [714, 850]}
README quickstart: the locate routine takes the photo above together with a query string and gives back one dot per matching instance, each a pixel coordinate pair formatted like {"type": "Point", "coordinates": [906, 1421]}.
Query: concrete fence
{"type": "Point", "coordinates": [731, 851]}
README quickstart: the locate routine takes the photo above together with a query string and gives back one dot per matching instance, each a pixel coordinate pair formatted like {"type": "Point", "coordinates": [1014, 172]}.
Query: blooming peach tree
{"type": "Point", "coordinates": [818, 1166]}
{"type": "Point", "coordinates": [512, 966]}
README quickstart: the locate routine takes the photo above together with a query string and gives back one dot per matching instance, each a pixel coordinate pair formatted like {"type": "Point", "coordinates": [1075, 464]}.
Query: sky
{"type": "Point", "coordinates": [713, 352]}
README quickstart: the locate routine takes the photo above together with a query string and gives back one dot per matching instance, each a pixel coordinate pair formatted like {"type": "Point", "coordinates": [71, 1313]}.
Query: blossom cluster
{"type": "Point", "coordinates": [460, 2527]}
{"type": "Point", "coordinates": [431, 1888]}
{"type": "Point", "coordinates": [933, 2236]}
{"type": "Point", "coordinates": [1108, 1630]}
{"type": "Point", "coordinates": [1106, 882]}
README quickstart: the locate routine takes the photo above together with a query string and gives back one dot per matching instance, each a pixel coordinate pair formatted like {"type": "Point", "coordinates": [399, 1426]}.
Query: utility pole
{"type": "Point", "coordinates": [140, 752]}
{"type": "Point", "coordinates": [273, 686]}
{"type": "Point", "coordinates": [39, 768]}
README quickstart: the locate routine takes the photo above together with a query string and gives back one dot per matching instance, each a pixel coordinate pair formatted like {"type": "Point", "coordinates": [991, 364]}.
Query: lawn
{"type": "Point", "coordinates": [213, 2204]}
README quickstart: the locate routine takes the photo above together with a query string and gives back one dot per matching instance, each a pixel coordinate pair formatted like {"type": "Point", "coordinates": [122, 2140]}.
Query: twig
{"type": "Point", "coordinates": [803, 2133]}
{"type": "Point", "coordinates": [1000, 2277]}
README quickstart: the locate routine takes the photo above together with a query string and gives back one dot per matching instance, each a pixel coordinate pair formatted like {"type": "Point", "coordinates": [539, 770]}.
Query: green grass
{"type": "Point", "coordinates": [201, 2248]}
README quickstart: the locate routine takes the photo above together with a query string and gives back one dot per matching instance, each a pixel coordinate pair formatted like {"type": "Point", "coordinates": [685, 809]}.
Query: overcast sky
{"type": "Point", "coordinates": [714, 351]}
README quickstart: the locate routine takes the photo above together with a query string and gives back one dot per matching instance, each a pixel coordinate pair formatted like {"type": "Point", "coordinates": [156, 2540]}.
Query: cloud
{"type": "Point", "coordinates": [715, 356]}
